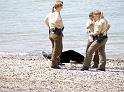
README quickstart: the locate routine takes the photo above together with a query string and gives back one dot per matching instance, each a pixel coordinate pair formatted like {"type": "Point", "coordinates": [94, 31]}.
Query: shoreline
{"type": "Point", "coordinates": [30, 72]}
{"type": "Point", "coordinates": [39, 53]}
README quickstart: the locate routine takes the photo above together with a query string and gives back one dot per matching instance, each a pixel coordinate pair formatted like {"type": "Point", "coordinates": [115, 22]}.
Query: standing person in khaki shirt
{"type": "Point", "coordinates": [90, 29]}
{"type": "Point", "coordinates": [100, 33]}
{"type": "Point", "coordinates": [55, 26]}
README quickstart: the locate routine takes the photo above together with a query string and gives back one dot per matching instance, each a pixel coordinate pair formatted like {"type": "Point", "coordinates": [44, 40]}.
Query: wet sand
{"type": "Point", "coordinates": [32, 73]}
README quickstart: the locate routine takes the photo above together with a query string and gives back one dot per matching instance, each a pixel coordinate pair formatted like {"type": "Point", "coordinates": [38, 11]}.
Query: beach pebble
{"type": "Point", "coordinates": [32, 73]}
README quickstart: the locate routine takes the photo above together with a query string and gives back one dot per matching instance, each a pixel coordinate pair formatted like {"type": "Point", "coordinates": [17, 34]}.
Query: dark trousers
{"type": "Point", "coordinates": [57, 47]}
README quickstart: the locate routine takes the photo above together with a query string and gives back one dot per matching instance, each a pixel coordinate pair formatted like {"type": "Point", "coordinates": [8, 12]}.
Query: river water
{"type": "Point", "coordinates": [22, 28]}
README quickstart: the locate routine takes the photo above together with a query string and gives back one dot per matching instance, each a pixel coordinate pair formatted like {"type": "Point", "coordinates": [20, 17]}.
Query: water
{"type": "Point", "coordinates": [22, 28]}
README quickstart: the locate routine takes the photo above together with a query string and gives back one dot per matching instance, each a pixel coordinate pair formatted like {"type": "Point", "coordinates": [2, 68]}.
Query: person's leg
{"type": "Point", "coordinates": [95, 55]}
{"type": "Point", "coordinates": [57, 50]}
{"type": "Point", "coordinates": [95, 59]}
{"type": "Point", "coordinates": [94, 46]}
{"type": "Point", "coordinates": [102, 56]}
{"type": "Point", "coordinates": [52, 41]}
{"type": "Point", "coordinates": [61, 48]}
{"type": "Point", "coordinates": [88, 44]}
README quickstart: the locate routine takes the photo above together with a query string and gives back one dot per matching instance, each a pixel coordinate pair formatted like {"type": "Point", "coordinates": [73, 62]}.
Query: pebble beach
{"type": "Point", "coordinates": [32, 73]}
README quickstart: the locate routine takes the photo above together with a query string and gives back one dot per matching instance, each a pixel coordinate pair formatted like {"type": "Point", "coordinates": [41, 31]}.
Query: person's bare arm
{"type": "Point", "coordinates": [108, 27]}
{"type": "Point", "coordinates": [46, 20]}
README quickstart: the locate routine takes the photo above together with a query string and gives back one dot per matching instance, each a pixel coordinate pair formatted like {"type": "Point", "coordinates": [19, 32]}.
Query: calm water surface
{"type": "Point", "coordinates": [22, 28]}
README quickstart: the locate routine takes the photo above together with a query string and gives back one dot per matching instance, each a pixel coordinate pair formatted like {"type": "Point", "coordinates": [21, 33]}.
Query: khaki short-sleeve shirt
{"type": "Point", "coordinates": [101, 26]}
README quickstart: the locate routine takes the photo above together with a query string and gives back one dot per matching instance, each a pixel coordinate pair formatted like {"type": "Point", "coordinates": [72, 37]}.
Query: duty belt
{"type": "Point", "coordinates": [56, 31]}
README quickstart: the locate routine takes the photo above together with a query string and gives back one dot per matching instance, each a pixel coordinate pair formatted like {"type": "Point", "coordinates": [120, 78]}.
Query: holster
{"type": "Point", "coordinates": [57, 30]}
{"type": "Point", "coordinates": [100, 38]}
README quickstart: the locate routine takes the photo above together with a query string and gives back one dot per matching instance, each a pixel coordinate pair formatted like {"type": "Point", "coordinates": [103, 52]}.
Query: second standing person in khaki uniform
{"type": "Point", "coordinates": [100, 33]}
{"type": "Point", "coordinates": [90, 29]}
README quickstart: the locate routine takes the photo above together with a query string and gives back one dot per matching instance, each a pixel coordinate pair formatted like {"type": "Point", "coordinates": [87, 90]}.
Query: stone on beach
{"type": "Point", "coordinates": [31, 73]}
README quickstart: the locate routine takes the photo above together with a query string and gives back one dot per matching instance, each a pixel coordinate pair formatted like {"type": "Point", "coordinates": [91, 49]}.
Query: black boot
{"type": "Point", "coordinates": [56, 67]}
{"type": "Point", "coordinates": [84, 68]}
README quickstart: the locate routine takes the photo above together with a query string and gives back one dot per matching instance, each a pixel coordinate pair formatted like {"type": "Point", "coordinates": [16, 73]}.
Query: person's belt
{"type": "Point", "coordinates": [56, 30]}
{"type": "Point", "coordinates": [100, 37]}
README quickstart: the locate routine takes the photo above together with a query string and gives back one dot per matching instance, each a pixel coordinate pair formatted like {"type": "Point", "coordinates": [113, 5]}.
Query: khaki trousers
{"type": "Point", "coordinates": [95, 56]}
{"type": "Point", "coordinates": [57, 47]}
{"type": "Point", "coordinates": [102, 56]}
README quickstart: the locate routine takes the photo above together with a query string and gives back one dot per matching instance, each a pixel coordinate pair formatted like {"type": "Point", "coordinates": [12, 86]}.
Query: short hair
{"type": "Point", "coordinates": [97, 12]}
{"type": "Point", "coordinates": [56, 6]}
{"type": "Point", "coordinates": [91, 14]}
{"type": "Point", "coordinates": [59, 1]}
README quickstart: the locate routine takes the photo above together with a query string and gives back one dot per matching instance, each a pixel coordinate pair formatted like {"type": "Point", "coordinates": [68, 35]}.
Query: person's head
{"type": "Point", "coordinates": [59, 1]}
{"type": "Point", "coordinates": [91, 15]}
{"type": "Point", "coordinates": [57, 7]}
{"type": "Point", "coordinates": [97, 14]}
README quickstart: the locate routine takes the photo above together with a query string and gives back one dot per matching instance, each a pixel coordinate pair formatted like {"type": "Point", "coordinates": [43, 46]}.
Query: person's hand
{"type": "Point", "coordinates": [91, 33]}
{"type": "Point", "coordinates": [92, 22]}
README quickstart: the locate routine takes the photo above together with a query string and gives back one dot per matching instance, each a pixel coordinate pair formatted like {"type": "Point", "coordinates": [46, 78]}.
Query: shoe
{"type": "Point", "coordinates": [100, 69]}
{"type": "Point", "coordinates": [94, 66]}
{"type": "Point", "coordinates": [56, 67]}
{"type": "Point", "coordinates": [84, 69]}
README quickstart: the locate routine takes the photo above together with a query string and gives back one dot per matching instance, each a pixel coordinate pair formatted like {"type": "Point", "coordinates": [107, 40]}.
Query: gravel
{"type": "Point", "coordinates": [32, 73]}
